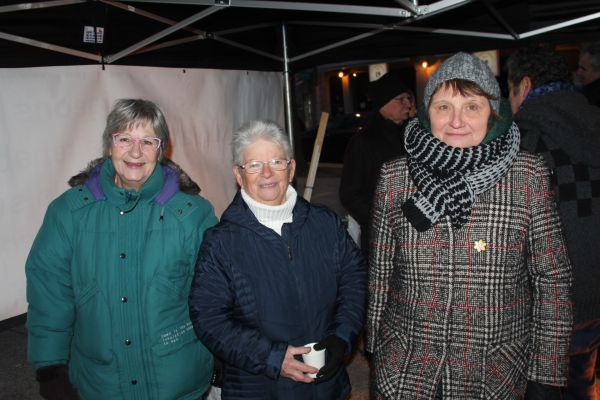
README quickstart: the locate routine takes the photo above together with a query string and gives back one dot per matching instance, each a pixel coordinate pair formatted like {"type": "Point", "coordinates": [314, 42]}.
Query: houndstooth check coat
{"type": "Point", "coordinates": [483, 308]}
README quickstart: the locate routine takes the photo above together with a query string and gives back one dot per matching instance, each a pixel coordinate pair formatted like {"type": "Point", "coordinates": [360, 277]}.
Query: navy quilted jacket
{"type": "Point", "coordinates": [256, 292]}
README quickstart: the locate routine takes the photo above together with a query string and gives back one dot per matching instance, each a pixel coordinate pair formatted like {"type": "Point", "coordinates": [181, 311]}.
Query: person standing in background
{"type": "Point", "coordinates": [589, 72]}
{"type": "Point", "coordinates": [559, 124]}
{"type": "Point", "coordinates": [379, 141]}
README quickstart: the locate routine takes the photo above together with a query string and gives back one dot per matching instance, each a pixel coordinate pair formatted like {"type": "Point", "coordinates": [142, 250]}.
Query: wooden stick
{"type": "Point", "coordinates": [314, 161]}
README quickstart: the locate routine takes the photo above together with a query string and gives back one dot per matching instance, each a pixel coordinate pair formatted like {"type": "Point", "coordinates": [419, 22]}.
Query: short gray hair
{"type": "Point", "coordinates": [594, 52]}
{"type": "Point", "coordinates": [127, 114]}
{"type": "Point", "coordinates": [252, 131]}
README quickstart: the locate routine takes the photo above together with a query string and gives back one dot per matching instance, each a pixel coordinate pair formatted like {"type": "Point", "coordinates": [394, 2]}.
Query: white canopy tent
{"type": "Point", "coordinates": [55, 95]}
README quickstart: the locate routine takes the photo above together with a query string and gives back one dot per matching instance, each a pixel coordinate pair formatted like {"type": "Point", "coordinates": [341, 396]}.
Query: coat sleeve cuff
{"type": "Point", "coordinates": [275, 360]}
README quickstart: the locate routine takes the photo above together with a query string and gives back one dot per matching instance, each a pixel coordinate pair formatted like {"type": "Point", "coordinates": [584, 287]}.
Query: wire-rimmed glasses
{"type": "Point", "coordinates": [125, 141]}
{"type": "Point", "coordinates": [255, 166]}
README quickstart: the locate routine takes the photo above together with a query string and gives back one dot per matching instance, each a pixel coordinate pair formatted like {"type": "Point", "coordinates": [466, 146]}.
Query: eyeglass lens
{"type": "Point", "coordinates": [253, 167]}
{"type": "Point", "coordinates": [125, 141]}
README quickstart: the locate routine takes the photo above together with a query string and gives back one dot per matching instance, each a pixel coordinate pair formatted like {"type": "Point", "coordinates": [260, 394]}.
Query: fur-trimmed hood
{"type": "Point", "coordinates": [186, 184]}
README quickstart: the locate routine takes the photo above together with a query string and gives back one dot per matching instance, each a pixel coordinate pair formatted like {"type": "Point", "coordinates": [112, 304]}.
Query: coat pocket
{"type": "Point", "coordinates": [173, 338]}
{"type": "Point", "coordinates": [92, 334]}
{"type": "Point", "coordinates": [506, 370]}
{"type": "Point", "coordinates": [182, 364]}
{"type": "Point", "coordinates": [391, 349]}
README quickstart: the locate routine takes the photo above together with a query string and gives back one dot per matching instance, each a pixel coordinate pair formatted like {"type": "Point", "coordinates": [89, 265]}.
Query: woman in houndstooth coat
{"type": "Point", "coordinates": [469, 273]}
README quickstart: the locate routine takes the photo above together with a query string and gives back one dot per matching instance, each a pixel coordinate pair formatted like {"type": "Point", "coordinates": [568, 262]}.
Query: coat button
{"type": "Point", "coordinates": [85, 198]}
{"type": "Point", "coordinates": [179, 211]}
{"type": "Point", "coordinates": [122, 255]}
{"type": "Point", "coordinates": [121, 212]}
{"type": "Point", "coordinates": [124, 299]}
{"type": "Point", "coordinates": [189, 204]}
{"type": "Point", "coordinates": [133, 382]}
{"type": "Point", "coordinates": [128, 342]}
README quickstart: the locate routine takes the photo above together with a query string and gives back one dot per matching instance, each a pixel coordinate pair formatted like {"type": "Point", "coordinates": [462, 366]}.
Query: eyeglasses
{"type": "Point", "coordinates": [403, 99]}
{"type": "Point", "coordinates": [125, 141]}
{"type": "Point", "coordinates": [254, 166]}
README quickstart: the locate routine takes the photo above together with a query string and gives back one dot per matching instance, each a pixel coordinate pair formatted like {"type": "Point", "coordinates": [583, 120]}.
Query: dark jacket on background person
{"type": "Point", "coordinates": [256, 292]}
{"type": "Point", "coordinates": [592, 92]}
{"type": "Point", "coordinates": [379, 141]}
{"type": "Point", "coordinates": [107, 280]}
{"type": "Point", "coordinates": [565, 130]}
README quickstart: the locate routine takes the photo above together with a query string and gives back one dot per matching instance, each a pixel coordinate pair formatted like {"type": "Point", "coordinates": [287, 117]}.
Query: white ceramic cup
{"type": "Point", "coordinates": [314, 358]}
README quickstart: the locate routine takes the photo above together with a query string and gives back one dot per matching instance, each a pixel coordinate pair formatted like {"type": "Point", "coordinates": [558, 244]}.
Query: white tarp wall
{"type": "Point", "coordinates": [52, 119]}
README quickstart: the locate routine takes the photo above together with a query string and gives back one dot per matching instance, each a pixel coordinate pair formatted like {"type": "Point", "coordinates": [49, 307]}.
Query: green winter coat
{"type": "Point", "coordinates": [108, 278]}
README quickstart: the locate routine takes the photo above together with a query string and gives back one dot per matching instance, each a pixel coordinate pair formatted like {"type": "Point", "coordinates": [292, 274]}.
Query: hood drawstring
{"type": "Point", "coordinates": [162, 211]}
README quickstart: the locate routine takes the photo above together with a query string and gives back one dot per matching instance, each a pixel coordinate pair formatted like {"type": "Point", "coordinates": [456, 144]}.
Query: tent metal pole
{"type": "Point", "coordinates": [32, 6]}
{"type": "Point", "coordinates": [248, 48]}
{"type": "Point", "coordinates": [114, 57]}
{"type": "Point", "coordinates": [155, 17]}
{"type": "Point", "coordinates": [286, 85]}
{"type": "Point", "coordinates": [280, 5]}
{"type": "Point", "coordinates": [47, 46]}
{"type": "Point", "coordinates": [499, 18]}
{"type": "Point", "coordinates": [338, 44]}
{"type": "Point", "coordinates": [242, 29]}
{"type": "Point", "coordinates": [558, 26]}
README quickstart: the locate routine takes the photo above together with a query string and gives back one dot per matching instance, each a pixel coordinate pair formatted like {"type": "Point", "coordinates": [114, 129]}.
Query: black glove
{"type": "Point", "coordinates": [337, 349]}
{"type": "Point", "coordinates": [55, 384]}
{"type": "Point", "coordinates": [540, 391]}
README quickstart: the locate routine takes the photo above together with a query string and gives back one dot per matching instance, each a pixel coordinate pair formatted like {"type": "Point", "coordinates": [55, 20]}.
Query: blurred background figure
{"type": "Point", "coordinates": [379, 141]}
{"type": "Point", "coordinates": [589, 72]}
{"type": "Point", "coordinates": [413, 106]}
{"type": "Point", "coordinates": [558, 123]}
{"type": "Point", "coordinates": [110, 269]}
{"type": "Point", "coordinates": [469, 278]}
{"type": "Point", "coordinates": [275, 274]}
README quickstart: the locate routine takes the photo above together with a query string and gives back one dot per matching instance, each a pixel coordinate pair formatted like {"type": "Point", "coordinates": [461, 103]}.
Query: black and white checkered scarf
{"type": "Point", "coordinates": [448, 178]}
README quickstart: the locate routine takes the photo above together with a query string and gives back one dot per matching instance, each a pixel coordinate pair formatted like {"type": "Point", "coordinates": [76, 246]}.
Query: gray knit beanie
{"type": "Point", "coordinates": [468, 67]}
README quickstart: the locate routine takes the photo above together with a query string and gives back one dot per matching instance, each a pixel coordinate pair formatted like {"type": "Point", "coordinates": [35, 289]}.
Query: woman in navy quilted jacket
{"type": "Point", "coordinates": [275, 274]}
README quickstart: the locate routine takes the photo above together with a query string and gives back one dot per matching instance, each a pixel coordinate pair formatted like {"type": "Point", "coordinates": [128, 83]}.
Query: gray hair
{"type": "Point", "coordinates": [127, 114]}
{"type": "Point", "coordinates": [594, 52]}
{"type": "Point", "coordinates": [252, 131]}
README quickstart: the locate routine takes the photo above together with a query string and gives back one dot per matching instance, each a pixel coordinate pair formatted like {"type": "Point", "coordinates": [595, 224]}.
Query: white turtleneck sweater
{"type": "Point", "coordinates": [273, 216]}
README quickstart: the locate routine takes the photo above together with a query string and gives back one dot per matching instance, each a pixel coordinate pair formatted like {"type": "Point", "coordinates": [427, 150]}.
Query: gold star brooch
{"type": "Point", "coordinates": [480, 245]}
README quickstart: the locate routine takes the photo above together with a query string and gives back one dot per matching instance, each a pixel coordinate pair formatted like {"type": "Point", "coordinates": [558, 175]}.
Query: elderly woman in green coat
{"type": "Point", "coordinates": [109, 272]}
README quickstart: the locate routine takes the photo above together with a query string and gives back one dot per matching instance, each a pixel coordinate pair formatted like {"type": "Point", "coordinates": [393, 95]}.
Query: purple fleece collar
{"type": "Point", "coordinates": [93, 182]}
{"type": "Point", "coordinates": [170, 187]}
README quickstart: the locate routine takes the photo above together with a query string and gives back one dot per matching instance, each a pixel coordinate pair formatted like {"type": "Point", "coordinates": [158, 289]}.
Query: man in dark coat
{"type": "Point", "coordinates": [564, 128]}
{"type": "Point", "coordinates": [589, 72]}
{"type": "Point", "coordinates": [380, 140]}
